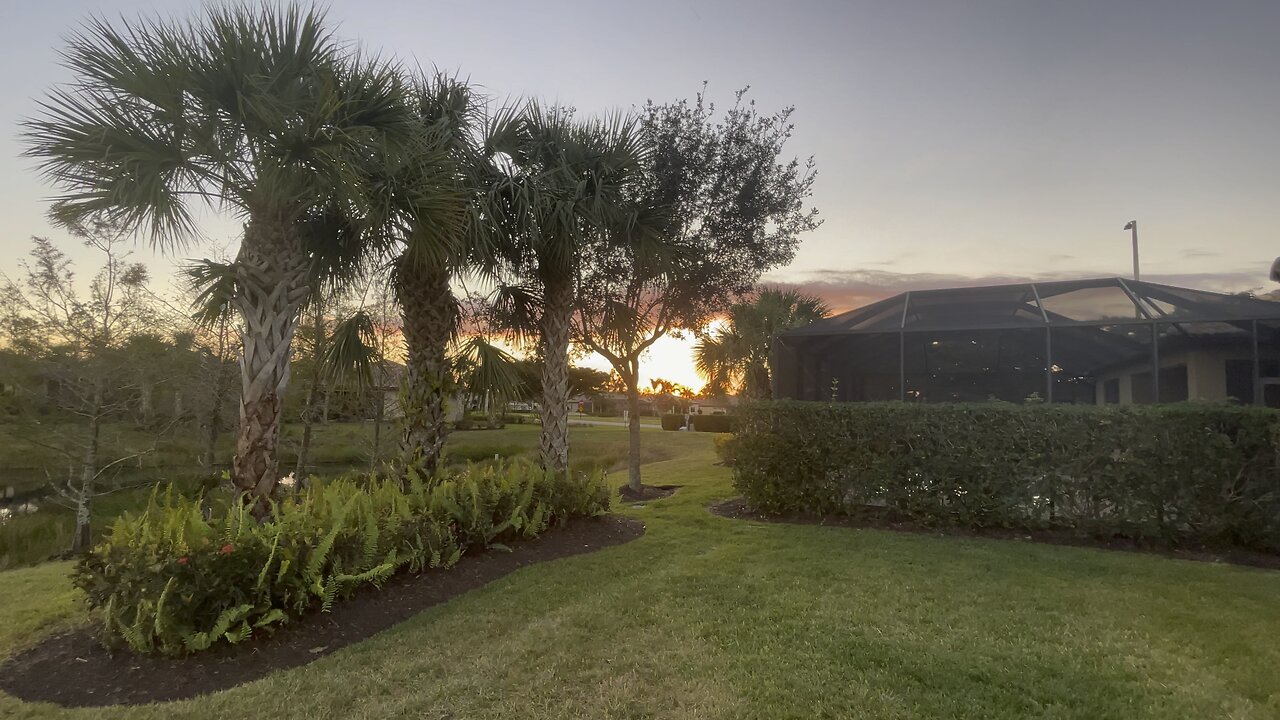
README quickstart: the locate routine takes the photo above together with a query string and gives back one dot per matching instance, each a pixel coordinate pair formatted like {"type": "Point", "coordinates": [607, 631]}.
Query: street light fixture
{"type": "Point", "coordinates": [1133, 225]}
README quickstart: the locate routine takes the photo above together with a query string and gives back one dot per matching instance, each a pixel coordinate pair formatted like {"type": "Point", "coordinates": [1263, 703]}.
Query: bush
{"type": "Point", "coordinates": [713, 423]}
{"type": "Point", "coordinates": [672, 421]}
{"type": "Point", "coordinates": [1202, 475]}
{"type": "Point", "coordinates": [30, 538]}
{"type": "Point", "coordinates": [172, 580]}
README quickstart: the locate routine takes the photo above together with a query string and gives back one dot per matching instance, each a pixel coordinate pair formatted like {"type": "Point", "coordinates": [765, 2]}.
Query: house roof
{"type": "Point", "coordinates": [1093, 302]}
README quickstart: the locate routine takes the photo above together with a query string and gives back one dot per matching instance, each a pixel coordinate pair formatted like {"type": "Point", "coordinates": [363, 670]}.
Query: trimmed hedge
{"type": "Point", "coordinates": [672, 421]}
{"type": "Point", "coordinates": [1199, 475]}
{"type": "Point", "coordinates": [174, 581]}
{"type": "Point", "coordinates": [713, 423]}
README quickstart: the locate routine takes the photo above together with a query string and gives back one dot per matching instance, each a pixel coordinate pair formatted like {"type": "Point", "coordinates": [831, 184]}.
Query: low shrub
{"type": "Point", "coordinates": [30, 538]}
{"type": "Point", "coordinates": [177, 579]}
{"type": "Point", "coordinates": [1202, 475]}
{"type": "Point", "coordinates": [672, 421]}
{"type": "Point", "coordinates": [712, 423]}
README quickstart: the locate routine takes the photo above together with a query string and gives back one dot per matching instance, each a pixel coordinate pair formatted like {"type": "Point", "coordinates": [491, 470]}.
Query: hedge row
{"type": "Point", "coordinates": [1199, 475]}
{"type": "Point", "coordinates": [713, 423]}
{"type": "Point", "coordinates": [172, 580]}
{"type": "Point", "coordinates": [672, 421]}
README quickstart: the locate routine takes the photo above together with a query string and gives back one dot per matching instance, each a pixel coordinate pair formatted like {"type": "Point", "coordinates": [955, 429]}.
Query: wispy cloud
{"type": "Point", "coordinates": [847, 289]}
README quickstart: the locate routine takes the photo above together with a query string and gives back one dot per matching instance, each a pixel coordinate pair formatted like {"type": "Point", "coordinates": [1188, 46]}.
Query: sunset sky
{"type": "Point", "coordinates": [957, 142]}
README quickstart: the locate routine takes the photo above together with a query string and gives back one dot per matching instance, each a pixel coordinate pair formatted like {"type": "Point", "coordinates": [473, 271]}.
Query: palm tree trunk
{"type": "Point", "coordinates": [556, 318]}
{"type": "Point", "coordinates": [633, 428]}
{"type": "Point", "coordinates": [429, 317]}
{"type": "Point", "coordinates": [272, 274]}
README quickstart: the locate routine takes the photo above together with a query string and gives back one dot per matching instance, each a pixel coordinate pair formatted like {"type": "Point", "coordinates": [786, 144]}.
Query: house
{"type": "Point", "coordinates": [1095, 341]}
{"type": "Point", "coordinates": [713, 406]}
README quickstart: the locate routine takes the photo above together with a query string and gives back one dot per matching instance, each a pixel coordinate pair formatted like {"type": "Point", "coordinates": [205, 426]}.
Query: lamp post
{"type": "Point", "coordinates": [1133, 225]}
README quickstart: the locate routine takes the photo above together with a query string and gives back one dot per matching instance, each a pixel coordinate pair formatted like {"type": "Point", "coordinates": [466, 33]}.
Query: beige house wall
{"type": "Point", "coordinates": [1206, 375]}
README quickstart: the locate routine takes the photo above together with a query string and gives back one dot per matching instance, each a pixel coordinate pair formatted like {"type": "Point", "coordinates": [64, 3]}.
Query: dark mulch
{"type": "Point", "coordinates": [737, 508]}
{"type": "Point", "coordinates": [73, 670]}
{"type": "Point", "coordinates": [647, 492]}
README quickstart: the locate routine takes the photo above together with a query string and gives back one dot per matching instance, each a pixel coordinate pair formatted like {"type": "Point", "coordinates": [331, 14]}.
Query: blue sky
{"type": "Point", "coordinates": [956, 141]}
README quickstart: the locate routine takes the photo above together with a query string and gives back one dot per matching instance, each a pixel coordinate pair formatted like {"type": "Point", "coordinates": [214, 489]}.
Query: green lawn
{"type": "Point", "coordinates": [707, 617]}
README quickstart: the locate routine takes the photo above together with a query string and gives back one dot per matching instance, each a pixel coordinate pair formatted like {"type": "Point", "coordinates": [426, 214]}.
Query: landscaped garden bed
{"type": "Point", "coordinates": [122, 677]}
{"type": "Point", "coordinates": [209, 580]}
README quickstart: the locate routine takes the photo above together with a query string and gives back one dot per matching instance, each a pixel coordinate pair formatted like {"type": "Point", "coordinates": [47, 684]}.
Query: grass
{"type": "Point", "coordinates": [707, 617]}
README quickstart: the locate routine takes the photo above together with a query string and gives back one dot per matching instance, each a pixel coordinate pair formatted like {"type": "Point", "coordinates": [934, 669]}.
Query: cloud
{"type": "Point", "coordinates": [847, 289]}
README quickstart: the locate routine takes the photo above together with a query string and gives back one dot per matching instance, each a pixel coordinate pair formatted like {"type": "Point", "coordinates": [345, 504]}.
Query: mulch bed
{"type": "Point", "coordinates": [647, 492]}
{"type": "Point", "coordinates": [73, 669]}
{"type": "Point", "coordinates": [737, 508]}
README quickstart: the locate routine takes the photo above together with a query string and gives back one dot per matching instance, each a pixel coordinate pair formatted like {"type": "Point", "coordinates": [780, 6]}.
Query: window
{"type": "Point", "coordinates": [1240, 377]}
{"type": "Point", "coordinates": [1173, 385]}
{"type": "Point", "coordinates": [1111, 391]}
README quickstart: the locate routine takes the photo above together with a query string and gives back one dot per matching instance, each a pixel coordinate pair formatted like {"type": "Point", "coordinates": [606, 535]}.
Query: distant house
{"type": "Point", "coordinates": [1097, 341]}
{"type": "Point", "coordinates": [713, 406]}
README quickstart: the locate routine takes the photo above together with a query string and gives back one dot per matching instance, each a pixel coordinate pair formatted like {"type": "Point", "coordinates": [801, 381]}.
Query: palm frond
{"type": "Point", "coordinates": [516, 310]}
{"type": "Point", "coordinates": [352, 350]}
{"type": "Point", "coordinates": [490, 369]}
{"type": "Point", "coordinates": [216, 287]}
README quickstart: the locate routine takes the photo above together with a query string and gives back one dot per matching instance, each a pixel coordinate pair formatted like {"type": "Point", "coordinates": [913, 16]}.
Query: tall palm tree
{"type": "Point", "coordinates": [252, 109]}
{"type": "Point", "coordinates": [562, 187]}
{"type": "Point", "coordinates": [736, 356]}
{"type": "Point", "coordinates": [443, 224]}
{"type": "Point", "coordinates": [434, 248]}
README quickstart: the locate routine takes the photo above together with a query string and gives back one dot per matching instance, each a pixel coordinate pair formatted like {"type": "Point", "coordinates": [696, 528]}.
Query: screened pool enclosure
{"type": "Point", "coordinates": [1106, 340]}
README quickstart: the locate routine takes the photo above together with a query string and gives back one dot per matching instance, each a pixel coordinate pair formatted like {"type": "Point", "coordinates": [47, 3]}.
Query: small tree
{"type": "Point", "coordinates": [209, 288]}
{"type": "Point", "coordinates": [380, 305]}
{"type": "Point", "coordinates": [311, 345]}
{"type": "Point", "coordinates": [717, 206]}
{"type": "Point", "coordinates": [73, 369]}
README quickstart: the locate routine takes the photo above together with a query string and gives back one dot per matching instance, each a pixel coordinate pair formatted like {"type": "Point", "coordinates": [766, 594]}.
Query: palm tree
{"type": "Point", "coordinates": [736, 356]}
{"type": "Point", "coordinates": [448, 234]}
{"type": "Point", "coordinates": [563, 185]}
{"type": "Point", "coordinates": [254, 110]}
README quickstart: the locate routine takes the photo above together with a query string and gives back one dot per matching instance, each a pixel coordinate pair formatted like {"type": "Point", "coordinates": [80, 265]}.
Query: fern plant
{"type": "Point", "coordinates": [187, 574]}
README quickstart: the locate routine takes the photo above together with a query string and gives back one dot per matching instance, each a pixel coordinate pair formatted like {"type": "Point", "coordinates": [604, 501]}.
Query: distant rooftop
{"type": "Point", "coordinates": [1064, 303]}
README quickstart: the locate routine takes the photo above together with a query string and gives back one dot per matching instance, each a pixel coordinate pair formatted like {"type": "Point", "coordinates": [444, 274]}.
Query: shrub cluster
{"type": "Point", "coordinates": [713, 423]}
{"type": "Point", "coordinates": [1199, 475]}
{"type": "Point", "coordinates": [672, 421]}
{"type": "Point", "coordinates": [176, 579]}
